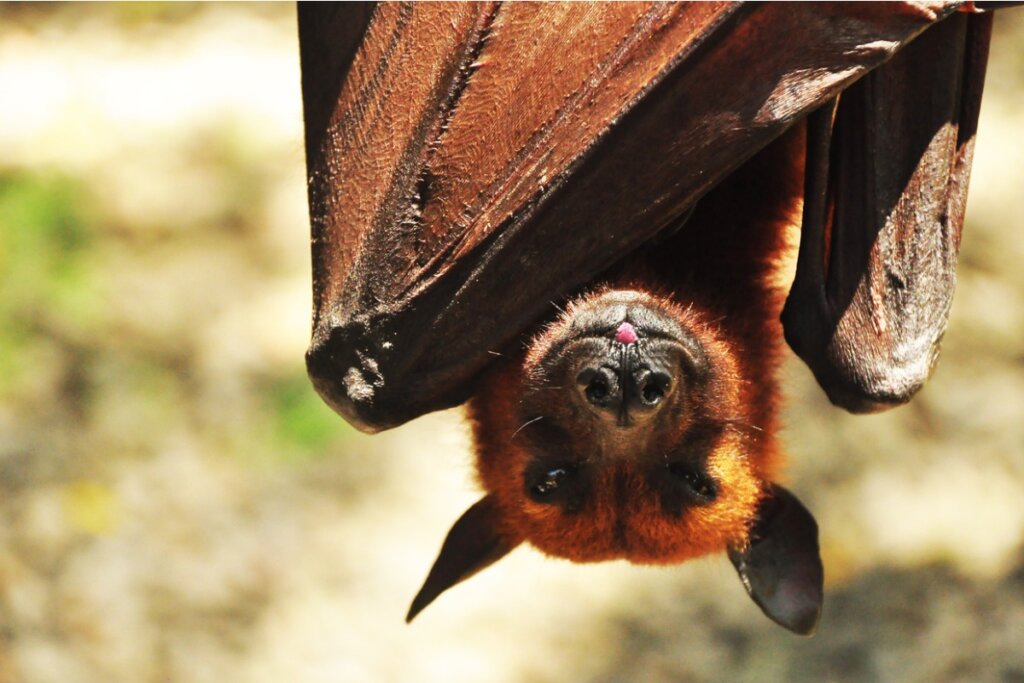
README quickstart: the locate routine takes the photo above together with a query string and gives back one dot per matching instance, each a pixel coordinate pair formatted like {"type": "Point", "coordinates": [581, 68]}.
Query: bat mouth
{"type": "Point", "coordinates": [621, 317]}
{"type": "Point", "coordinates": [623, 325]}
{"type": "Point", "coordinates": [625, 316]}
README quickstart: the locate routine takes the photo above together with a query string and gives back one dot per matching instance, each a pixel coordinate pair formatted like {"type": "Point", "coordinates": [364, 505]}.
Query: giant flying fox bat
{"type": "Point", "coordinates": [642, 164]}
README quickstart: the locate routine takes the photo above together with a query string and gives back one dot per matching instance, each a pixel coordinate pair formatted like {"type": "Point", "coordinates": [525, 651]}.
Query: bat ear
{"type": "Point", "coordinates": [473, 544]}
{"type": "Point", "coordinates": [781, 567]}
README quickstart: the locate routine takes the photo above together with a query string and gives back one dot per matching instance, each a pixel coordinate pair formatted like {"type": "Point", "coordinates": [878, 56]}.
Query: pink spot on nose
{"type": "Point", "coordinates": [626, 334]}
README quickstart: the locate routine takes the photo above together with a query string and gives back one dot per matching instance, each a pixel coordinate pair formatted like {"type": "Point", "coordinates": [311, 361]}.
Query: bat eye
{"type": "Point", "coordinates": [555, 475]}
{"type": "Point", "coordinates": [701, 485]}
{"type": "Point", "coordinates": [549, 482]}
{"type": "Point", "coordinates": [556, 484]}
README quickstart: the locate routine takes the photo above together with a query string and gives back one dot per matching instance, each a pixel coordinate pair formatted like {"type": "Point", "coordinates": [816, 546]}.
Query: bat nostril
{"type": "Point", "coordinates": [653, 387]}
{"type": "Point", "coordinates": [597, 391]}
{"type": "Point", "coordinates": [652, 393]}
{"type": "Point", "coordinates": [598, 386]}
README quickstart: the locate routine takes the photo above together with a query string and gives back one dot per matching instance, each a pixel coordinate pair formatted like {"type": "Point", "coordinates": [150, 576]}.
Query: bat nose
{"type": "Point", "coordinates": [626, 397]}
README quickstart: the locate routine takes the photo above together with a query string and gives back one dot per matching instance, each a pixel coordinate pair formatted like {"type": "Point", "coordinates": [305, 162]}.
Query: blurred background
{"type": "Point", "coordinates": [176, 504]}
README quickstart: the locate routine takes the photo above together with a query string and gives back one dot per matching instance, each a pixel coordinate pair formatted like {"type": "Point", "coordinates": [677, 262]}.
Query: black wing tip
{"type": "Point", "coordinates": [419, 603]}
{"type": "Point", "coordinates": [804, 624]}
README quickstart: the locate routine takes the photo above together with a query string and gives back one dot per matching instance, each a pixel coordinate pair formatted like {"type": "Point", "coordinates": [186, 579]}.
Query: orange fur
{"type": "Point", "coordinates": [715, 279]}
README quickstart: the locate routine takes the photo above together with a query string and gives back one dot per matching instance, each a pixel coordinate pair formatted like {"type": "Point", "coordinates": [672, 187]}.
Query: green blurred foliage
{"type": "Point", "coordinates": [46, 234]}
{"type": "Point", "coordinates": [304, 425]}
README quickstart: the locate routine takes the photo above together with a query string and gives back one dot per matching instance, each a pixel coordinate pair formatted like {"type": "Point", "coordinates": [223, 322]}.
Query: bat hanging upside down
{"type": "Point", "coordinates": [640, 424]}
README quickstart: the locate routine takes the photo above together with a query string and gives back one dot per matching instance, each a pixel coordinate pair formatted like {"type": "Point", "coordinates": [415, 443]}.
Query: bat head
{"type": "Point", "coordinates": [623, 438]}
{"type": "Point", "coordinates": [625, 433]}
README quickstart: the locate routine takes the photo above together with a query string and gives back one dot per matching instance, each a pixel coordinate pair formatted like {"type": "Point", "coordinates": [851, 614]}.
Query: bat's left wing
{"type": "Point", "coordinates": [886, 185]}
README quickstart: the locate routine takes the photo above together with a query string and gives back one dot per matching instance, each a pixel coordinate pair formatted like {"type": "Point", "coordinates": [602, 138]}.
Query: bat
{"type": "Point", "coordinates": [640, 423]}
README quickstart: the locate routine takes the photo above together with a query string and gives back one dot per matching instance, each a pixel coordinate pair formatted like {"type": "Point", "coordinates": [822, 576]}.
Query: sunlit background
{"type": "Point", "coordinates": [176, 504]}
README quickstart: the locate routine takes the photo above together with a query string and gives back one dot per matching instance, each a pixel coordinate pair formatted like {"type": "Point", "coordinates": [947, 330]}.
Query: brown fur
{"type": "Point", "coordinates": [716, 277]}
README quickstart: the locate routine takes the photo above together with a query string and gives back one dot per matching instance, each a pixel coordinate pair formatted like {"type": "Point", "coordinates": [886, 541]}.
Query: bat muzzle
{"type": "Point", "coordinates": [624, 383]}
{"type": "Point", "coordinates": [625, 359]}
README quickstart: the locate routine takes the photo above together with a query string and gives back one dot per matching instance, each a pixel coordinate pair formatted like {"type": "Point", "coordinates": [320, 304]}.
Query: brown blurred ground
{"type": "Point", "coordinates": [177, 505]}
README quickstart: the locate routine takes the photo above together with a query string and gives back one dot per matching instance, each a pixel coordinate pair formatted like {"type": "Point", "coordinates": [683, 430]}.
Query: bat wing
{"type": "Point", "coordinates": [886, 185]}
{"type": "Point", "coordinates": [470, 163]}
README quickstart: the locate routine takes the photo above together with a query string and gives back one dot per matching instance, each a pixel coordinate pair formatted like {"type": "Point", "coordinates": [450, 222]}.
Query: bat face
{"type": "Point", "coordinates": [621, 435]}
